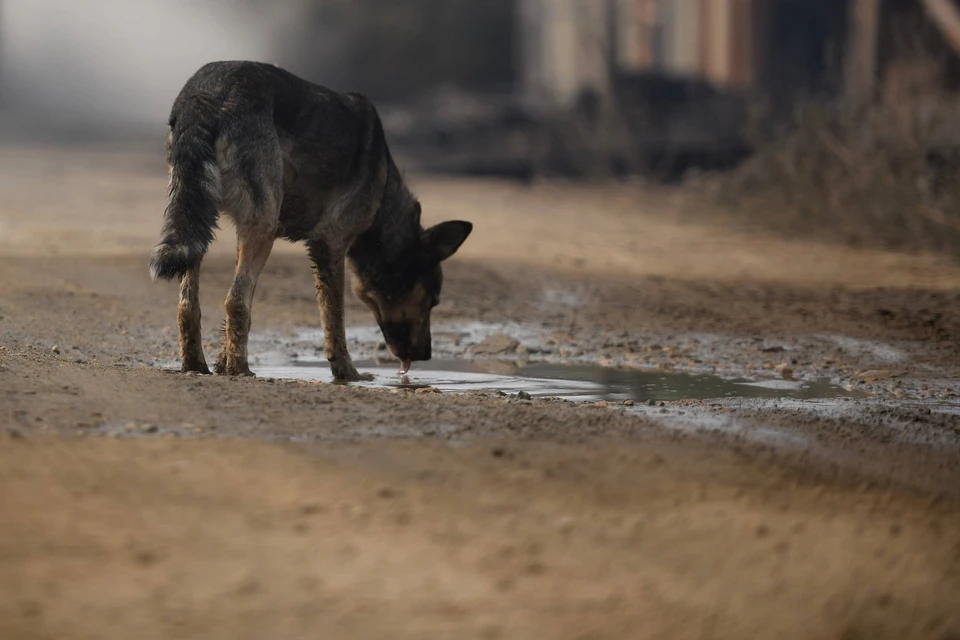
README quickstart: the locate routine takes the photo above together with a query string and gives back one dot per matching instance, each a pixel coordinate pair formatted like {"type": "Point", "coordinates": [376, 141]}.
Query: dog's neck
{"type": "Point", "coordinates": [391, 244]}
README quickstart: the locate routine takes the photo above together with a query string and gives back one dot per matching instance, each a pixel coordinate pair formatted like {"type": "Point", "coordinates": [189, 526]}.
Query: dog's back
{"type": "Point", "coordinates": [248, 137]}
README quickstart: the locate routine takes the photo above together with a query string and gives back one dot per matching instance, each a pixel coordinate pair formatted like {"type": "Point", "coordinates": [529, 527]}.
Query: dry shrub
{"type": "Point", "coordinates": [882, 175]}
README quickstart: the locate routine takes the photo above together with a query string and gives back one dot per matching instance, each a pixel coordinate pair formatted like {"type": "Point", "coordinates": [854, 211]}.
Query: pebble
{"type": "Point", "coordinates": [877, 374]}
{"type": "Point", "coordinates": [55, 349]}
{"type": "Point", "coordinates": [426, 390]}
{"type": "Point", "coordinates": [497, 343]}
{"type": "Point", "coordinates": [628, 403]}
{"type": "Point", "coordinates": [523, 395]}
{"type": "Point", "coordinates": [558, 336]}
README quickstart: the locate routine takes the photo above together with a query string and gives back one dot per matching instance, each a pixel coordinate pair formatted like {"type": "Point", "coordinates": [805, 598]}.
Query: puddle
{"type": "Point", "coordinates": [572, 382]}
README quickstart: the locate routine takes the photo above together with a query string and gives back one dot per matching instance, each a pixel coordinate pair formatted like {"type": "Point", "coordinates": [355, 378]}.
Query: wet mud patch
{"type": "Point", "coordinates": [578, 382]}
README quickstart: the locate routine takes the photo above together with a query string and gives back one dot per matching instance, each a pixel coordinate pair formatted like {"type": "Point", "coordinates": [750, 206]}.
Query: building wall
{"type": "Point", "coordinates": [567, 42]}
{"type": "Point", "coordinates": [566, 48]}
{"type": "Point", "coordinates": [684, 38]}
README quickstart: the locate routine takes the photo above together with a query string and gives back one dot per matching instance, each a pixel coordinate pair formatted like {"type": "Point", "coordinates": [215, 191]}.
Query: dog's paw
{"type": "Point", "coordinates": [234, 369]}
{"type": "Point", "coordinates": [195, 367]}
{"type": "Point", "coordinates": [350, 374]}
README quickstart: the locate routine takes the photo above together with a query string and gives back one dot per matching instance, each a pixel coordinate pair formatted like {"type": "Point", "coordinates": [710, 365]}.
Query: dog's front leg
{"type": "Point", "coordinates": [329, 270]}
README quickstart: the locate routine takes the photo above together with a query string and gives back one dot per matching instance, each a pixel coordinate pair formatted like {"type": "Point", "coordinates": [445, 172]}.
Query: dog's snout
{"type": "Point", "coordinates": [423, 352]}
{"type": "Point", "coordinates": [408, 342]}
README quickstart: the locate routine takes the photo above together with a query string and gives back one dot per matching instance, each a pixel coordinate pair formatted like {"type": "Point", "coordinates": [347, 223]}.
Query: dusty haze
{"type": "Point", "coordinates": [123, 62]}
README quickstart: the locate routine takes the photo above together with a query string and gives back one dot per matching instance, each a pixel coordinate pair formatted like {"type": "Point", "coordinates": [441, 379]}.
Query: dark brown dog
{"type": "Point", "coordinates": [286, 158]}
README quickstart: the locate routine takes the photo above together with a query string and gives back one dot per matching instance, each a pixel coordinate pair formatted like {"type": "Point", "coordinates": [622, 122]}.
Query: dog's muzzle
{"type": "Point", "coordinates": [407, 344]}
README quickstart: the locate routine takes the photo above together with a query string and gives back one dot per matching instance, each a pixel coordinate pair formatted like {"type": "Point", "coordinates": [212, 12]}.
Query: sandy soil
{"type": "Point", "coordinates": [139, 503]}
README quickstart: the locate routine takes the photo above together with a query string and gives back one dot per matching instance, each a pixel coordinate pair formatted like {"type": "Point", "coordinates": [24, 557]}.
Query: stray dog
{"type": "Point", "coordinates": [282, 157]}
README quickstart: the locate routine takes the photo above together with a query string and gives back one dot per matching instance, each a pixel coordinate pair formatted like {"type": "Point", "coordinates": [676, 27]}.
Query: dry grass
{"type": "Point", "coordinates": [881, 175]}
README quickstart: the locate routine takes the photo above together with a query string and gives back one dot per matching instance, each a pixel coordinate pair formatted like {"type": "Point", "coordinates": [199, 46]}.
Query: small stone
{"type": "Point", "coordinates": [785, 372]}
{"type": "Point", "coordinates": [558, 337]}
{"type": "Point", "coordinates": [496, 344]}
{"type": "Point", "coordinates": [426, 390]}
{"type": "Point", "coordinates": [873, 375]}
{"type": "Point", "coordinates": [602, 403]}
{"type": "Point", "coordinates": [628, 403]}
{"type": "Point", "coordinates": [55, 349]}
{"type": "Point", "coordinates": [651, 403]}
{"type": "Point", "coordinates": [523, 395]}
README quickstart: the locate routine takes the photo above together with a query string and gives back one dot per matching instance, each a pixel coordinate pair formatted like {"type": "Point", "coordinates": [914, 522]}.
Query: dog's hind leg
{"type": "Point", "coordinates": [252, 176]}
{"type": "Point", "coordinates": [252, 253]}
{"type": "Point", "coordinates": [329, 270]}
{"type": "Point", "coordinates": [188, 321]}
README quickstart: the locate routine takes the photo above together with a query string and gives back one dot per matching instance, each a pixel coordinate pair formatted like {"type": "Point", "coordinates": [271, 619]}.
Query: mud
{"type": "Point", "coordinates": [568, 382]}
{"type": "Point", "coordinates": [136, 502]}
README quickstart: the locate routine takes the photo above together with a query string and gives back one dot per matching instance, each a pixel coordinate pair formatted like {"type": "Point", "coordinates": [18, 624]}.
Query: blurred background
{"type": "Point", "coordinates": [839, 114]}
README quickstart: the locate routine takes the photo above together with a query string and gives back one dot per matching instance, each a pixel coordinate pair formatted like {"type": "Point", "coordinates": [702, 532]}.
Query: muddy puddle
{"type": "Point", "coordinates": [579, 382]}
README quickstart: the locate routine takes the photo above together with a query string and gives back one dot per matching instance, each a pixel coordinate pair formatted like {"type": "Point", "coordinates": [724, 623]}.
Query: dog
{"type": "Point", "coordinates": [283, 157]}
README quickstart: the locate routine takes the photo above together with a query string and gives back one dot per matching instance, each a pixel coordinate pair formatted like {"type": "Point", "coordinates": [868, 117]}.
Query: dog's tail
{"type": "Point", "coordinates": [193, 209]}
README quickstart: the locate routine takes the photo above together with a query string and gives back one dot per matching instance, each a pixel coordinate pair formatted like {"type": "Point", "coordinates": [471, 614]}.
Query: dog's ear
{"type": "Point", "coordinates": [442, 240]}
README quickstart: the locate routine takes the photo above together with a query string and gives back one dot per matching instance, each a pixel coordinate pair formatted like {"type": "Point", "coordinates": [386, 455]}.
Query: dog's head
{"type": "Point", "coordinates": [402, 307]}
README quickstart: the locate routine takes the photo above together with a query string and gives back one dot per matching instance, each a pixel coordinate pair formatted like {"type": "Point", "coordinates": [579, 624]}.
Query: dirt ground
{"type": "Point", "coordinates": [136, 502]}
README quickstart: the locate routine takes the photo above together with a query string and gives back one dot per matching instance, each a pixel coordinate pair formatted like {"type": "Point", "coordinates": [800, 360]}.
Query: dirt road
{"type": "Point", "coordinates": [139, 503]}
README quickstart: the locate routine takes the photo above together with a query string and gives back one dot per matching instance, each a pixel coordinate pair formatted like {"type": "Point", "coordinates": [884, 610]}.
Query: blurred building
{"type": "Point", "coordinates": [781, 48]}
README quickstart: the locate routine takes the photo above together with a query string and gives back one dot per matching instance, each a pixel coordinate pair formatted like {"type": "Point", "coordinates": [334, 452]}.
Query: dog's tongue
{"type": "Point", "coordinates": [404, 366]}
